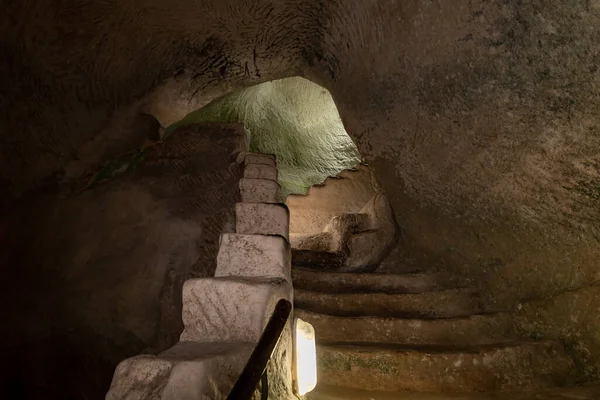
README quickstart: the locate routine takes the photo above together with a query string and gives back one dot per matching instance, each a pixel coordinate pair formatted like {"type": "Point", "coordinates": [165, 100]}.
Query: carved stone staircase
{"type": "Point", "coordinates": [380, 336]}
{"type": "Point", "coordinates": [403, 336]}
{"type": "Point", "coordinates": [224, 316]}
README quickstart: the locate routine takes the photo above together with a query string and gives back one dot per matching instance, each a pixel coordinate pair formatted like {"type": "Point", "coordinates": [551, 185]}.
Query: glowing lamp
{"type": "Point", "coordinates": [305, 357]}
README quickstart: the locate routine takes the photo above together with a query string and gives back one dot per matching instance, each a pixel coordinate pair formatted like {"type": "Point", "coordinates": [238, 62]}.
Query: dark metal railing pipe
{"type": "Point", "coordinates": [252, 373]}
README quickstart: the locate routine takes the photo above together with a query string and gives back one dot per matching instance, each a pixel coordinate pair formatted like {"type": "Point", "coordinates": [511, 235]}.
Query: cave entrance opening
{"type": "Point", "coordinates": [339, 217]}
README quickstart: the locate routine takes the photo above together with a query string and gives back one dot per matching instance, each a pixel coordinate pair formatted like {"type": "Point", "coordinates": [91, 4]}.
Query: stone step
{"type": "Point", "coordinates": [334, 236]}
{"type": "Point", "coordinates": [188, 370]}
{"type": "Point", "coordinates": [259, 191]}
{"type": "Point", "coordinates": [259, 158]}
{"type": "Point", "coordinates": [524, 365]}
{"type": "Point", "coordinates": [327, 392]}
{"type": "Point", "coordinates": [319, 242]}
{"type": "Point", "coordinates": [443, 304]}
{"type": "Point", "coordinates": [321, 261]}
{"type": "Point", "coordinates": [463, 331]}
{"type": "Point", "coordinates": [253, 255]}
{"type": "Point", "coordinates": [343, 282]}
{"type": "Point", "coordinates": [262, 219]}
{"type": "Point", "coordinates": [229, 309]}
{"type": "Point", "coordinates": [260, 171]}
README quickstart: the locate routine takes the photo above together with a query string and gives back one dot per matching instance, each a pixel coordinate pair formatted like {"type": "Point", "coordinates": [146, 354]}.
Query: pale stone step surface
{"type": "Point", "coordinates": [260, 171]}
{"type": "Point", "coordinates": [517, 366]}
{"type": "Point", "coordinates": [443, 304]}
{"type": "Point", "coordinates": [327, 392]}
{"type": "Point", "coordinates": [187, 371]}
{"type": "Point", "coordinates": [259, 158]}
{"type": "Point", "coordinates": [262, 219]}
{"type": "Point", "coordinates": [463, 331]}
{"type": "Point", "coordinates": [254, 255]}
{"type": "Point", "coordinates": [229, 309]}
{"type": "Point", "coordinates": [345, 282]}
{"type": "Point", "coordinates": [259, 191]}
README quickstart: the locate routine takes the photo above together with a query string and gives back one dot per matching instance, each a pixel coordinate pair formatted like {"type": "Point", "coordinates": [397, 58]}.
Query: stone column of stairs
{"type": "Point", "coordinates": [224, 316]}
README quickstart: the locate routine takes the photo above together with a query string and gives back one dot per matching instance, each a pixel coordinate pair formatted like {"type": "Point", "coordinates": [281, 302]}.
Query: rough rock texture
{"type": "Point", "coordinates": [229, 309]}
{"type": "Point", "coordinates": [366, 249]}
{"type": "Point", "coordinates": [494, 368]}
{"type": "Point", "coordinates": [463, 331]}
{"type": "Point", "coordinates": [262, 218]}
{"type": "Point", "coordinates": [334, 237]}
{"type": "Point", "coordinates": [293, 118]}
{"type": "Point", "coordinates": [259, 191]}
{"type": "Point", "coordinates": [478, 116]}
{"type": "Point", "coordinates": [573, 317]}
{"type": "Point", "coordinates": [260, 171]}
{"type": "Point", "coordinates": [224, 318]}
{"type": "Point", "coordinates": [588, 392]}
{"type": "Point", "coordinates": [362, 239]}
{"type": "Point", "coordinates": [486, 128]}
{"type": "Point", "coordinates": [441, 345]}
{"type": "Point", "coordinates": [254, 255]}
{"type": "Point", "coordinates": [187, 371]}
{"type": "Point", "coordinates": [96, 277]}
{"type": "Point", "coordinates": [260, 159]}
{"type": "Point", "coordinates": [317, 259]}
{"type": "Point", "coordinates": [348, 192]}
{"type": "Point", "coordinates": [346, 282]}
{"type": "Point", "coordinates": [444, 304]}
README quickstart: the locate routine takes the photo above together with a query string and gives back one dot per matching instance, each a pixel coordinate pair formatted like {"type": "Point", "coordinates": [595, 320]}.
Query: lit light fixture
{"type": "Point", "coordinates": [305, 357]}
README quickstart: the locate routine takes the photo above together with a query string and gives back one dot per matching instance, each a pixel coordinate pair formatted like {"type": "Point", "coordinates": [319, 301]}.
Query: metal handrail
{"type": "Point", "coordinates": [254, 371]}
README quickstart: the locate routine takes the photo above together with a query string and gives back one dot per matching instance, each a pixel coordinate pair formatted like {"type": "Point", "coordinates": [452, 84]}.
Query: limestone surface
{"type": "Point", "coordinates": [254, 256]}
{"type": "Point", "coordinates": [261, 159]}
{"type": "Point", "coordinates": [367, 248]}
{"type": "Point", "coordinates": [479, 118]}
{"type": "Point", "coordinates": [187, 371]}
{"type": "Point", "coordinates": [259, 191]}
{"type": "Point", "coordinates": [492, 368]}
{"type": "Point", "coordinates": [459, 332]}
{"type": "Point", "coordinates": [362, 239]}
{"type": "Point", "coordinates": [346, 282]}
{"type": "Point", "coordinates": [260, 171]}
{"type": "Point", "coordinates": [444, 304]}
{"type": "Point", "coordinates": [262, 219]}
{"type": "Point", "coordinates": [229, 309]}
{"type": "Point", "coordinates": [589, 391]}
{"type": "Point", "coordinates": [347, 192]}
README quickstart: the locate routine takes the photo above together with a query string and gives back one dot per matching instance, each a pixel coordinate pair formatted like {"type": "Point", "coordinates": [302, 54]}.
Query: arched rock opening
{"type": "Point", "coordinates": [298, 122]}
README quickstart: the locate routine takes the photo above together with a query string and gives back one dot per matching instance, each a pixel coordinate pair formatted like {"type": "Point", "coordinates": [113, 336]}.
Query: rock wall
{"type": "Point", "coordinates": [573, 317]}
{"type": "Point", "coordinates": [347, 192]}
{"type": "Point", "coordinates": [292, 118]}
{"type": "Point", "coordinates": [479, 117]}
{"type": "Point", "coordinates": [224, 316]}
{"type": "Point", "coordinates": [96, 277]}
{"type": "Point", "coordinates": [480, 121]}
